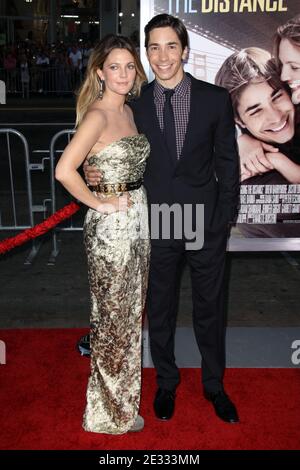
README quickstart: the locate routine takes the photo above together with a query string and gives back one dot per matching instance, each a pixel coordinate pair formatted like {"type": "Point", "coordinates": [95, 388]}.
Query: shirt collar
{"type": "Point", "coordinates": [180, 90]}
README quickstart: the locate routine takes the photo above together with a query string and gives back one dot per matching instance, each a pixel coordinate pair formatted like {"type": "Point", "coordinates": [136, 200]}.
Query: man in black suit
{"type": "Point", "coordinates": [193, 161]}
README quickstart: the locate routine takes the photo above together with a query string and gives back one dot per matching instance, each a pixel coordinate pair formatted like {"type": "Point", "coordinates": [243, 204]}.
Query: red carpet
{"type": "Point", "coordinates": [42, 399]}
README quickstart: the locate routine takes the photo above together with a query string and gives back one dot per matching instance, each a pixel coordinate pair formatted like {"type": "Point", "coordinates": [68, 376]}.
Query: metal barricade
{"type": "Point", "coordinates": [10, 194]}
{"type": "Point", "coordinates": [68, 226]}
{"type": "Point", "coordinates": [42, 80]}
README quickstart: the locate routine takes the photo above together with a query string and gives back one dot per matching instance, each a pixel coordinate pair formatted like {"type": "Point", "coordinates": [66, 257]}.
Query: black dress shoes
{"type": "Point", "coordinates": [164, 404]}
{"type": "Point", "coordinates": [223, 406]}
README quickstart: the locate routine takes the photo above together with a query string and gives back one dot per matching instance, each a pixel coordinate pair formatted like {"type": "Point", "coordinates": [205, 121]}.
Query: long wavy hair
{"type": "Point", "coordinates": [89, 90]}
{"type": "Point", "coordinates": [291, 31]}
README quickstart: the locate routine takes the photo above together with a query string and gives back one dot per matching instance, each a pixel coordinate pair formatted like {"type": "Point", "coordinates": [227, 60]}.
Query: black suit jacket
{"type": "Point", "coordinates": [208, 169]}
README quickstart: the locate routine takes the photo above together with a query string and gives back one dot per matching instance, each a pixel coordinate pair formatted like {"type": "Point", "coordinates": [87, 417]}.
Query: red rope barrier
{"type": "Point", "coordinates": [39, 229]}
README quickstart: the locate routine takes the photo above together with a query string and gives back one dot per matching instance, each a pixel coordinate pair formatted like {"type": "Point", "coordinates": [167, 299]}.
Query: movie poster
{"type": "Point", "coordinates": [226, 38]}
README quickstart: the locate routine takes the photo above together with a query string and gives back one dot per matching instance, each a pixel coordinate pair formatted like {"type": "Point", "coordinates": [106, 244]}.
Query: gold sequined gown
{"type": "Point", "coordinates": [118, 249]}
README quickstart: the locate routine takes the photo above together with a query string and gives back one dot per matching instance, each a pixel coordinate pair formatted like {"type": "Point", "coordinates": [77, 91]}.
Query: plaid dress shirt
{"type": "Point", "coordinates": [180, 100]}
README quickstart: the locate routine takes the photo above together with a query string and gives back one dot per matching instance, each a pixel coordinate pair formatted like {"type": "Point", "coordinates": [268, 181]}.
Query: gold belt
{"type": "Point", "coordinates": [116, 187]}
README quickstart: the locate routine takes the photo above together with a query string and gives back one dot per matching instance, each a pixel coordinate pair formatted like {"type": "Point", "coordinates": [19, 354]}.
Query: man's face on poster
{"type": "Point", "coordinates": [268, 114]}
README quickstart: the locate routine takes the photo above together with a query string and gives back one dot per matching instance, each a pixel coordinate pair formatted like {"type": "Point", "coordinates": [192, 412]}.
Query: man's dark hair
{"type": "Point", "coordinates": [164, 20]}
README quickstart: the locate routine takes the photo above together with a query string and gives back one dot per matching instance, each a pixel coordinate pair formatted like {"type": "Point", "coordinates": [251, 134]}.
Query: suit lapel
{"type": "Point", "coordinates": [193, 116]}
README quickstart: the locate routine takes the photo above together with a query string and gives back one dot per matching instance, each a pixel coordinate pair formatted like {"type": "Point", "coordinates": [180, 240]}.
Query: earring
{"type": "Point", "coordinates": [132, 92]}
{"type": "Point", "coordinates": [101, 90]}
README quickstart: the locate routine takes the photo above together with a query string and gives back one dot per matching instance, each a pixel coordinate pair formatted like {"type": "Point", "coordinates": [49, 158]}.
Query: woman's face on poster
{"type": "Point", "coordinates": [289, 57]}
{"type": "Point", "coordinates": [268, 114]}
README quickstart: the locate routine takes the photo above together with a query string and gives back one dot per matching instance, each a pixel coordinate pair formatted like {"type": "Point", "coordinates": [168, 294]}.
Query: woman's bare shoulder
{"type": "Point", "coordinates": [96, 113]}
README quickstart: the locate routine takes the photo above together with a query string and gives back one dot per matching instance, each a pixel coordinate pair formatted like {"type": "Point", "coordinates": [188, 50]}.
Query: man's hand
{"type": "Point", "coordinates": [253, 160]}
{"type": "Point", "coordinates": [92, 175]}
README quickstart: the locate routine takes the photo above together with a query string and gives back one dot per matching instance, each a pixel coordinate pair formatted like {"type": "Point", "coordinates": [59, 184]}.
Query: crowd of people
{"type": "Point", "coordinates": [28, 66]}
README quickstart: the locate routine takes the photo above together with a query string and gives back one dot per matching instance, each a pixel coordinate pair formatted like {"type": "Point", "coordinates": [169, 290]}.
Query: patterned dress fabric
{"type": "Point", "coordinates": [118, 250]}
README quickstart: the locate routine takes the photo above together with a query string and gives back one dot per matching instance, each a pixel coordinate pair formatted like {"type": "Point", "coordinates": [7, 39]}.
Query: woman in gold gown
{"type": "Point", "coordinates": [115, 232]}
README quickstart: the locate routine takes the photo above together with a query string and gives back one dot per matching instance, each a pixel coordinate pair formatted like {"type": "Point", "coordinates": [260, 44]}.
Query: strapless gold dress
{"type": "Point", "coordinates": [118, 250]}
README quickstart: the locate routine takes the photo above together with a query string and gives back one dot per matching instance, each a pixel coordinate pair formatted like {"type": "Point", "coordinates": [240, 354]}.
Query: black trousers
{"type": "Point", "coordinates": [207, 275]}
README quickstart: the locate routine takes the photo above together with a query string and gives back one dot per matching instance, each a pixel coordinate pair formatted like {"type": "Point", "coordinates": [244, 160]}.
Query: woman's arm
{"type": "Point", "coordinates": [74, 154]}
{"type": "Point", "coordinates": [285, 166]}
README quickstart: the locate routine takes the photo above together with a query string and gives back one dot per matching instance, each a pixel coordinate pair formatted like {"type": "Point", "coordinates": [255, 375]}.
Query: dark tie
{"type": "Point", "coordinates": [169, 125]}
